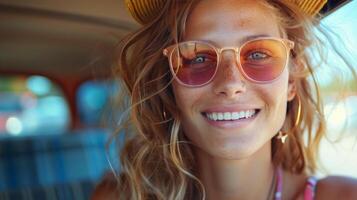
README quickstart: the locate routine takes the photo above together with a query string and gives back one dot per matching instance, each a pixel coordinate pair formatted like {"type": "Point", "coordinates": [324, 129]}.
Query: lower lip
{"type": "Point", "coordinates": [232, 123]}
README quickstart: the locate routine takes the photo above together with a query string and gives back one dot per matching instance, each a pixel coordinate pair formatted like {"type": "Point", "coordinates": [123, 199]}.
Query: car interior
{"type": "Point", "coordinates": [56, 86]}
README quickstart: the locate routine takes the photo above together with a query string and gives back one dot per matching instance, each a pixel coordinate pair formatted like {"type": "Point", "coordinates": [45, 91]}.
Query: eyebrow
{"type": "Point", "coordinates": [241, 41]}
{"type": "Point", "coordinates": [251, 37]}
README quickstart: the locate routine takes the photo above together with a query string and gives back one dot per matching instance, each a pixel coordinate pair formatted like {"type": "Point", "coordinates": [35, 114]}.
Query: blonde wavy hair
{"type": "Point", "coordinates": [156, 160]}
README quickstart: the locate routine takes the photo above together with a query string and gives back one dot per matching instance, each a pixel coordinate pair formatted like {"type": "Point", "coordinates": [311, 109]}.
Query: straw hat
{"type": "Point", "coordinates": [144, 11]}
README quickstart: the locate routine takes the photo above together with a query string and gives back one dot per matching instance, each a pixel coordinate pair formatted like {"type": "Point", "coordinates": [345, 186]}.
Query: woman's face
{"type": "Point", "coordinates": [230, 23]}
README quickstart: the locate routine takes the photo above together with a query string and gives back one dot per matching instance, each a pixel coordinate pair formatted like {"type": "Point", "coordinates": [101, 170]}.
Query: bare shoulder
{"type": "Point", "coordinates": [106, 189]}
{"type": "Point", "coordinates": [337, 187]}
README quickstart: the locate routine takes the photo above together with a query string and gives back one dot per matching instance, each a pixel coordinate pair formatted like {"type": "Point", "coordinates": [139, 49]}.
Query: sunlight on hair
{"type": "Point", "coordinates": [338, 151]}
{"type": "Point", "coordinates": [343, 23]}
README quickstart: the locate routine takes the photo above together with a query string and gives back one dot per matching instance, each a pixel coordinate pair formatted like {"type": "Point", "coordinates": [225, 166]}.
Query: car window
{"type": "Point", "coordinates": [26, 102]}
{"type": "Point", "coordinates": [338, 152]}
{"type": "Point", "coordinates": [95, 101]}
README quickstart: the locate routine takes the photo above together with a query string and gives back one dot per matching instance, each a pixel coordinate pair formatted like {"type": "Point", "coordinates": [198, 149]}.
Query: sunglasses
{"type": "Point", "coordinates": [261, 60]}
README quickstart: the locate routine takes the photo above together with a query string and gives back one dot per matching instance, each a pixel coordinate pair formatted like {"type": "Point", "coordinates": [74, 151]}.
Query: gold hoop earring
{"type": "Point", "coordinates": [164, 115]}
{"type": "Point", "coordinates": [282, 136]}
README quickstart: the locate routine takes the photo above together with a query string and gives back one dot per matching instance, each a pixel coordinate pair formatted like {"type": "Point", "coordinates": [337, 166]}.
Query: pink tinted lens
{"type": "Point", "coordinates": [194, 63]}
{"type": "Point", "coordinates": [263, 60]}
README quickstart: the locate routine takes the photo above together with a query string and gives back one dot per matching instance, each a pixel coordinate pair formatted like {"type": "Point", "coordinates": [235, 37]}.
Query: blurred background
{"type": "Point", "coordinates": [56, 91]}
{"type": "Point", "coordinates": [338, 152]}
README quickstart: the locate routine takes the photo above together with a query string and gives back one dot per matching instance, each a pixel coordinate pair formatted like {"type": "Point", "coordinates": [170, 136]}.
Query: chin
{"type": "Point", "coordinates": [237, 153]}
{"type": "Point", "coordinates": [233, 151]}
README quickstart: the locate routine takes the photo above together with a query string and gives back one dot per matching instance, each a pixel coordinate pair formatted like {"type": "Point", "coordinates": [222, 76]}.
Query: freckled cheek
{"type": "Point", "coordinates": [185, 98]}
{"type": "Point", "coordinates": [274, 95]}
{"type": "Point", "coordinates": [190, 101]}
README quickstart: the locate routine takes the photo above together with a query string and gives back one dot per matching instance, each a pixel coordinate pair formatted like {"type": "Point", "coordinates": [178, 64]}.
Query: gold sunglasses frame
{"type": "Point", "coordinates": [288, 45]}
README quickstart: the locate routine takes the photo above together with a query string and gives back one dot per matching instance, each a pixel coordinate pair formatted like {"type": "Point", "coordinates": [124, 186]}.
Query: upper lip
{"type": "Point", "coordinates": [230, 108]}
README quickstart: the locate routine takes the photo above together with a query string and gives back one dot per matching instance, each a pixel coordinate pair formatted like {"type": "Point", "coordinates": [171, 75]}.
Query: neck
{"type": "Point", "coordinates": [248, 178]}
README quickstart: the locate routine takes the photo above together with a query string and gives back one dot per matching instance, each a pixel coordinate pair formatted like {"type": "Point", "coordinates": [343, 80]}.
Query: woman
{"type": "Point", "coordinates": [220, 104]}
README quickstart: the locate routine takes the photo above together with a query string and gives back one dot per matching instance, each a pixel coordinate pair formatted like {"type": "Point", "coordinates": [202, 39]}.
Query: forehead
{"type": "Point", "coordinates": [214, 19]}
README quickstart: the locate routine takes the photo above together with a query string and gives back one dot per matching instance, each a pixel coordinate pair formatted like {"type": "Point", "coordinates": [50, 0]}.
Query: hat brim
{"type": "Point", "coordinates": [144, 11]}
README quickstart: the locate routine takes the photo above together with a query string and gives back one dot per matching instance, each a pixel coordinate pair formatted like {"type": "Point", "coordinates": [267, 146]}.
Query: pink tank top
{"type": "Point", "coordinates": [309, 192]}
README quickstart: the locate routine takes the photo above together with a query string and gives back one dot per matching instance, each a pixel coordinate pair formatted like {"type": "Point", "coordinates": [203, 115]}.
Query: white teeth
{"type": "Point", "coordinates": [235, 115]}
{"type": "Point", "coordinates": [227, 115]}
{"type": "Point", "coordinates": [247, 114]}
{"type": "Point", "coordinates": [220, 116]}
{"type": "Point", "coordinates": [230, 115]}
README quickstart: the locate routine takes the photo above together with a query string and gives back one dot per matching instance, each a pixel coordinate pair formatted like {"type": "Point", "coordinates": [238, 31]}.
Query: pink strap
{"type": "Point", "coordinates": [279, 186]}
{"type": "Point", "coordinates": [310, 188]}
{"type": "Point", "coordinates": [309, 192]}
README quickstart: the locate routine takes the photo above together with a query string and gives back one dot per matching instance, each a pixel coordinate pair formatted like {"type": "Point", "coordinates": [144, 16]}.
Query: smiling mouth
{"type": "Point", "coordinates": [231, 116]}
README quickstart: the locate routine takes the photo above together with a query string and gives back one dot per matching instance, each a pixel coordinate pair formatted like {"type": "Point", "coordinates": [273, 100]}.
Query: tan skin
{"type": "Point", "coordinates": [232, 158]}
{"type": "Point", "coordinates": [330, 188]}
{"type": "Point", "coordinates": [235, 162]}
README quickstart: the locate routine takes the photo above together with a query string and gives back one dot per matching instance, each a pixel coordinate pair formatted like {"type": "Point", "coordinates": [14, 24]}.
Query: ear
{"type": "Point", "coordinates": [297, 66]}
{"type": "Point", "coordinates": [291, 89]}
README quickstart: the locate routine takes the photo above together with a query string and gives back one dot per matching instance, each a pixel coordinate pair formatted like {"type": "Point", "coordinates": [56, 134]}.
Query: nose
{"type": "Point", "coordinates": [229, 82]}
